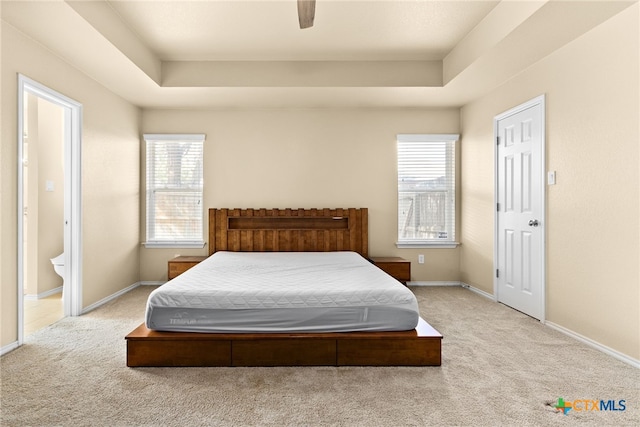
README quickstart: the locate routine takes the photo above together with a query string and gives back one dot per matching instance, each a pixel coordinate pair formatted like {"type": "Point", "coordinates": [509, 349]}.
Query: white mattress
{"type": "Point", "coordinates": [239, 292]}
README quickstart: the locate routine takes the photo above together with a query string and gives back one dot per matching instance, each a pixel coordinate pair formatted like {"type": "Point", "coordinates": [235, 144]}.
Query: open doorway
{"type": "Point", "coordinates": [43, 212]}
{"type": "Point", "coordinates": [49, 136]}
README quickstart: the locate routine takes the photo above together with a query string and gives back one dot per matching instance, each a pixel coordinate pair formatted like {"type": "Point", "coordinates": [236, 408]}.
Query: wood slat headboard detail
{"type": "Point", "coordinates": [289, 230]}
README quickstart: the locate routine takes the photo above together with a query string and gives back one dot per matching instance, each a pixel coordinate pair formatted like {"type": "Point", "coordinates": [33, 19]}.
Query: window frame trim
{"type": "Point", "coordinates": [430, 244]}
{"type": "Point", "coordinates": [185, 244]}
{"type": "Point", "coordinates": [417, 244]}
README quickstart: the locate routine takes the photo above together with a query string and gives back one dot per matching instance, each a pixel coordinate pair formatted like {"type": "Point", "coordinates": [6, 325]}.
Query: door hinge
{"type": "Point", "coordinates": [497, 140]}
{"type": "Point", "coordinates": [497, 273]}
{"type": "Point", "coordinates": [498, 207]}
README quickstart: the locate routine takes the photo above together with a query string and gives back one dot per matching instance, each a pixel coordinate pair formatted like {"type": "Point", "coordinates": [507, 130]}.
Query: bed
{"type": "Point", "coordinates": [326, 304]}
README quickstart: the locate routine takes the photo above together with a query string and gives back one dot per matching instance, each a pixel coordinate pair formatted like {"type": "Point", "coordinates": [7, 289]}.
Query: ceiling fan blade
{"type": "Point", "coordinates": [306, 12]}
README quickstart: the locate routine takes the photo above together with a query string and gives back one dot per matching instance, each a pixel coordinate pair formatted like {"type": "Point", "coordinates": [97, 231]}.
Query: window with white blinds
{"type": "Point", "coordinates": [174, 190]}
{"type": "Point", "coordinates": [426, 190]}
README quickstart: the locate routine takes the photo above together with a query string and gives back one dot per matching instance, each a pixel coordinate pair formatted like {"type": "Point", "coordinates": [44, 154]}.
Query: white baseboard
{"type": "Point", "coordinates": [42, 295]}
{"type": "Point", "coordinates": [603, 348]}
{"type": "Point", "coordinates": [432, 283]}
{"type": "Point", "coordinates": [452, 283]}
{"type": "Point", "coordinates": [109, 298]}
{"type": "Point", "coordinates": [119, 293]}
{"type": "Point", "coordinates": [478, 291]}
{"type": "Point", "coordinates": [9, 347]}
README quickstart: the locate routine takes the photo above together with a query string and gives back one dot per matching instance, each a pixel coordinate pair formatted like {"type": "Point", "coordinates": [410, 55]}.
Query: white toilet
{"type": "Point", "coordinates": [58, 266]}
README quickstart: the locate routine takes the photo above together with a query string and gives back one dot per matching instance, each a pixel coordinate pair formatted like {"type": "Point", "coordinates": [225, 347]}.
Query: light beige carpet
{"type": "Point", "coordinates": [499, 367]}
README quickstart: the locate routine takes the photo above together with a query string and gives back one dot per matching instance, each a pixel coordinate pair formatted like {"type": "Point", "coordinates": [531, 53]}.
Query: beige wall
{"type": "Point", "coordinates": [110, 176]}
{"type": "Point", "coordinates": [591, 87]}
{"type": "Point", "coordinates": [50, 203]}
{"type": "Point", "coordinates": [307, 158]}
{"type": "Point", "coordinates": [31, 196]}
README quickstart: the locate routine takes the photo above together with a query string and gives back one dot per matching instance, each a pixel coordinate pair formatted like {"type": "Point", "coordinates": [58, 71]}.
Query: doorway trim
{"type": "Point", "coordinates": [537, 101]}
{"type": "Point", "coordinates": [72, 196]}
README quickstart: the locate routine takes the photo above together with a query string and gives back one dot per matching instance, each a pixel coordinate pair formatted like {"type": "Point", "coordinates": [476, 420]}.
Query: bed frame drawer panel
{"type": "Point", "coordinates": [178, 353]}
{"type": "Point", "coordinates": [278, 352]}
{"type": "Point", "coordinates": [399, 352]}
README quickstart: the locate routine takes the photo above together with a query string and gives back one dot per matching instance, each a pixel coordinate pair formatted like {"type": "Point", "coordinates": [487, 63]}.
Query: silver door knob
{"type": "Point", "coordinates": [533, 223]}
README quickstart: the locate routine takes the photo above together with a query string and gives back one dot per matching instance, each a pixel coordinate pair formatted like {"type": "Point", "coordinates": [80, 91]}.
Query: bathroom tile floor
{"type": "Point", "coordinates": [41, 313]}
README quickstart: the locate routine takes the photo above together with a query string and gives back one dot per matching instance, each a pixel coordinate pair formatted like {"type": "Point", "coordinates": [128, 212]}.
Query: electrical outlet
{"type": "Point", "coordinates": [420, 259]}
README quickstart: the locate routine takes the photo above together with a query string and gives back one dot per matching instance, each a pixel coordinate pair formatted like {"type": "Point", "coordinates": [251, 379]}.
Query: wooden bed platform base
{"type": "Point", "coordinates": [420, 347]}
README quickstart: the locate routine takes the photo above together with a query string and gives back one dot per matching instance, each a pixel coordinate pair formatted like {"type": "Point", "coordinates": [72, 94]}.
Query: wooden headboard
{"type": "Point", "coordinates": [289, 230]}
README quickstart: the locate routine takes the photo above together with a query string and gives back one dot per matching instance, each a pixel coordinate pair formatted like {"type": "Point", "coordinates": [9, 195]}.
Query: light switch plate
{"type": "Point", "coordinates": [551, 178]}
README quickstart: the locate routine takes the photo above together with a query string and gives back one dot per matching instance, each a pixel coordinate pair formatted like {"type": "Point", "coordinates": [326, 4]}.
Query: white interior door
{"type": "Point", "coordinates": [520, 225]}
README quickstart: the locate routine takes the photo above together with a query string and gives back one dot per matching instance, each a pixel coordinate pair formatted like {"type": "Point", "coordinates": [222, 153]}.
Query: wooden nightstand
{"type": "Point", "coordinates": [397, 267]}
{"type": "Point", "coordinates": [180, 264]}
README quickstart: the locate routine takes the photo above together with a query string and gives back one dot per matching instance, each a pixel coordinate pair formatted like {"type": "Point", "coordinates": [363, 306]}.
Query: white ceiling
{"type": "Point", "coordinates": [360, 53]}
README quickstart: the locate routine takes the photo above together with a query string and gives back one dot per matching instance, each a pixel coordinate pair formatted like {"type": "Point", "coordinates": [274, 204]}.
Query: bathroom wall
{"type": "Point", "coordinates": [30, 236]}
{"type": "Point", "coordinates": [50, 201]}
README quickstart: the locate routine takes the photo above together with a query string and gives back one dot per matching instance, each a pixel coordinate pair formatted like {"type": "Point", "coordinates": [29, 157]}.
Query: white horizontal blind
{"type": "Point", "coordinates": [426, 188]}
{"type": "Point", "coordinates": [174, 189]}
